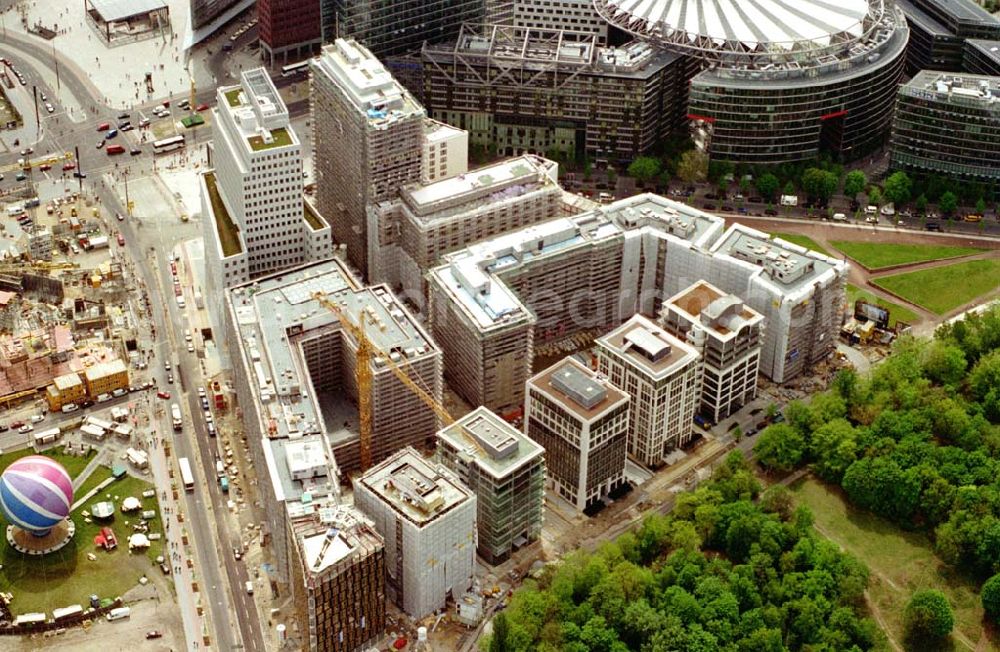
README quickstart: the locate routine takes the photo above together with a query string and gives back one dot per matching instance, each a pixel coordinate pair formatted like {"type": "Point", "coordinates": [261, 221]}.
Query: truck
{"type": "Point", "coordinates": [175, 414]}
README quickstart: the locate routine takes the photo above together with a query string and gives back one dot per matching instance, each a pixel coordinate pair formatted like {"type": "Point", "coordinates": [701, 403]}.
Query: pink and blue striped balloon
{"type": "Point", "coordinates": [36, 493]}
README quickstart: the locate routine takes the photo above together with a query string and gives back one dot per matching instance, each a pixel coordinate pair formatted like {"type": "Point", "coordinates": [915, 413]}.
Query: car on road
{"type": "Point", "coordinates": [4, 427]}
{"type": "Point", "coordinates": [80, 175]}
{"type": "Point", "coordinates": [45, 98]}
{"type": "Point", "coordinates": [153, 634]}
{"type": "Point", "coordinates": [28, 150]}
{"type": "Point", "coordinates": [190, 347]}
{"type": "Point", "coordinates": [771, 212]}
{"type": "Point", "coordinates": [124, 115]}
{"type": "Point", "coordinates": [121, 240]}
{"type": "Point", "coordinates": [44, 167]}
{"type": "Point", "coordinates": [237, 553]}
{"type": "Point", "coordinates": [16, 424]}
{"type": "Point", "coordinates": [201, 107]}
{"type": "Point", "coordinates": [100, 144]}
{"type": "Point", "coordinates": [50, 108]}
{"type": "Point", "coordinates": [21, 176]}
{"type": "Point", "coordinates": [36, 418]}
{"type": "Point", "coordinates": [135, 151]}
{"type": "Point", "coordinates": [166, 365]}
{"type": "Point", "coordinates": [26, 428]}
{"type": "Point", "coordinates": [69, 166]}
{"type": "Point", "coordinates": [170, 379]}
{"type": "Point", "coordinates": [164, 395]}
{"type": "Point", "coordinates": [933, 226]}
{"type": "Point", "coordinates": [144, 122]}
{"type": "Point", "coordinates": [104, 126]}
{"type": "Point", "coordinates": [111, 134]}
{"type": "Point", "coordinates": [120, 217]}
{"type": "Point", "coordinates": [165, 568]}
{"type": "Point", "coordinates": [872, 219]}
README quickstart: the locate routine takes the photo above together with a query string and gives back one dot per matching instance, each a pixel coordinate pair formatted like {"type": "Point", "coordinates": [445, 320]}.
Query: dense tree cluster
{"type": "Point", "coordinates": [917, 442]}
{"type": "Point", "coordinates": [722, 572]}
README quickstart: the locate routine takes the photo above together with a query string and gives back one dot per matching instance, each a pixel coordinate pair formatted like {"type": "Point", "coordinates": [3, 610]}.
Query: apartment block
{"type": "Point", "coordinates": [409, 234]}
{"type": "Point", "coordinates": [105, 377]}
{"type": "Point", "coordinates": [64, 390]}
{"type": "Point", "coordinates": [339, 579]}
{"type": "Point", "coordinates": [427, 518]}
{"type": "Point", "coordinates": [368, 134]}
{"type": "Point", "coordinates": [727, 334]}
{"type": "Point", "coordinates": [255, 218]}
{"type": "Point", "coordinates": [445, 152]}
{"type": "Point", "coordinates": [949, 125]}
{"type": "Point", "coordinates": [398, 27]}
{"type": "Point", "coordinates": [294, 370]}
{"type": "Point", "coordinates": [982, 57]}
{"type": "Point", "coordinates": [662, 375]}
{"type": "Point", "coordinates": [799, 292]}
{"type": "Point", "coordinates": [492, 301]}
{"type": "Point", "coordinates": [574, 16]}
{"type": "Point", "coordinates": [939, 30]}
{"type": "Point", "coordinates": [582, 421]}
{"type": "Point", "coordinates": [521, 90]}
{"type": "Point", "coordinates": [289, 29]}
{"type": "Point", "coordinates": [506, 471]}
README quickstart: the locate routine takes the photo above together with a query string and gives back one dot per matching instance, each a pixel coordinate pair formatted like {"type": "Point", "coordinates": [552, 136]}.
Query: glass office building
{"type": "Point", "coordinates": [948, 124]}
{"type": "Point", "coordinates": [782, 84]}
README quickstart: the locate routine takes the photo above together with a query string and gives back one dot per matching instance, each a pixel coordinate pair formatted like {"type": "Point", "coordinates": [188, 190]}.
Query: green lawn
{"type": "Point", "coordinates": [67, 577]}
{"type": "Point", "coordinates": [943, 289]}
{"type": "Point", "coordinates": [878, 255]}
{"type": "Point", "coordinates": [897, 312]}
{"type": "Point", "coordinates": [73, 464]}
{"type": "Point", "coordinates": [900, 562]}
{"type": "Point", "coordinates": [804, 241]}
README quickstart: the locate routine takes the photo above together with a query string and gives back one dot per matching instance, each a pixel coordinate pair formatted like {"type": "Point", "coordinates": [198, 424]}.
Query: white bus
{"type": "Point", "coordinates": [186, 476]}
{"type": "Point", "coordinates": [295, 68]}
{"type": "Point", "coordinates": [175, 417]}
{"type": "Point", "coordinates": [168, 144]}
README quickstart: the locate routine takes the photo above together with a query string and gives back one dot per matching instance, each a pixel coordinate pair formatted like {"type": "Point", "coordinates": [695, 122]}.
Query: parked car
{"type": "Point", "coordinates": [164, 395]}
{"type": "Point", "coordinates": [153, 634]}
{"type": "Point", "coordinates": [933, 226]}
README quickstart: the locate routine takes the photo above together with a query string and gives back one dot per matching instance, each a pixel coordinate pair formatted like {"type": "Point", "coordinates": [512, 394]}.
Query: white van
{"type": "Point", "coordinates": [70, 407]}
{"type": "Point", "coordinates": [119, 613]}
{"type": "Point", "coordinates": [249, 586]}
{"type": "Point", "coordinates": [839, 217]}
{"type": "Point", "coordinates": [871, 210]}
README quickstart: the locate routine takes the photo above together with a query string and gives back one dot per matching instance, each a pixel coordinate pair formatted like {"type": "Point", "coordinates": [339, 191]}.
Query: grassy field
{"type": "Point", "coordinates": [943, 289]}
{"type": "Point", "coordinates": [900, 562]}
{"type": "Point", "coordinates": [804, 241]}
{"type": "Point", "coordinates": [67, 577]}
{"type": "Point", "coordinates": [878, 255]}
{"type": "Point", "coordinates": [897, 312]}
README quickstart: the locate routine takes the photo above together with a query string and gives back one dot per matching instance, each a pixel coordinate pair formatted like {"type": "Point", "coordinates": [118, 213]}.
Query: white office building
{"type": "Point", "coordinates": [427, 518]}
{"type": "Point", "coordinates": [663, 376]}
{"type": "Point", "coordinates": [256, 221]}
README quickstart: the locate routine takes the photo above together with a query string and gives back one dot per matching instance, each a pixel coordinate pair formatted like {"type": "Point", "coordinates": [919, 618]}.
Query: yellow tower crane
{"type": "Point", "coordinates": [26, 164]}
{"type": "Point", "coordinates": [367, 350]}
{"type": "Point", "coordinates": [36, 266]}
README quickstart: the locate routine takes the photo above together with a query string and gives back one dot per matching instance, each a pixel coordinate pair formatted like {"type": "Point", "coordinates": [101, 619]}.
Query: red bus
{"type": "Point", "coordinates": [115, 149]}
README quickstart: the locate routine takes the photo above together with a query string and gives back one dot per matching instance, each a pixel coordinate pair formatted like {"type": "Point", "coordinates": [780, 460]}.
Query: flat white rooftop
{"type": "Point", "coordinates": [494, 445]}
{"type": "Point", "coordinates": [363, 78]}
{"type": "Point", "coordinates": [647, 347]}
{"type": "Point", "coordinates": [414, 488]}
{"type": "Point", "coordinates": [481, 181]}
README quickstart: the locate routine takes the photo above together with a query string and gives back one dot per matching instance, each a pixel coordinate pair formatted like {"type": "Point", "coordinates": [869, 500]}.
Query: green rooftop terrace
{"type": "Point", "coordinates": [233, 96]}
{"type": "Point", "coordinates": [229, 235]}
{"type": "Point", "coordinates": [279, 138]}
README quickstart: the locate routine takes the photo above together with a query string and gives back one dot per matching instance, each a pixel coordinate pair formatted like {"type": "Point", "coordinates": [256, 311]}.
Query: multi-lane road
{"type": "Point", "coordinates": [235, 620]}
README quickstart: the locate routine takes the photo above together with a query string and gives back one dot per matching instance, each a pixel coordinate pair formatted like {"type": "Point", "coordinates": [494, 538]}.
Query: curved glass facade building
{"type": "Point", "coordinates": [782, 85]}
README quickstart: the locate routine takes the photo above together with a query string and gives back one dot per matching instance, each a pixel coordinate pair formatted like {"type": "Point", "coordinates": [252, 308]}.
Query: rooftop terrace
{"type": "Point", "coordinates": [414, 488]}
{"type": "Point", "coordinates": [789, 268]}
{"type": "Point", "coordinates": [496, 446]}
{"type": "Point", "coordinates": [713, 309]}
{"type": "Point", "coordinates": [645, 345]}
{"type": "Point", "coordinates": [229, 233]}
{"type": "Point", "coordinates": [578, 389]}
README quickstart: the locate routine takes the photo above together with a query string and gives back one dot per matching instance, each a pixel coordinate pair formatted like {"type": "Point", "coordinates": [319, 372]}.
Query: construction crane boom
{"type": "Point", "coordinates": [25, 164]}
{"type": "Point", "coordinates": [42, 266]}
{"type": "Point", "coordinates": [366, 352]}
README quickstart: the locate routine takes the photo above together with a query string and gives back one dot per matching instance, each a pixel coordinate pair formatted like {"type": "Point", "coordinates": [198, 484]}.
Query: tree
{"type": "Point", "coordinates": [834, 448]}
{"type": "Point", "coordinates": [980, 206]}
{"type": "Point", "coordinates": [990, 595]}
{"type": "Point", "coordinates": [789, 188]}
{"type": "Point", "coordinates": [745, 186]}
{"type": "Point", "coordinates": [897, 188]}
{"type": "Point", "coordinates": [767, 185]}
{"type": "Point", "coordinates": [693, 167]}
{"type": "Point", "coordinates": [854, 182]}
{"type": "Point", "coordinates": [819, 184]}
{"type": "Point", "coordinates": [500, 640]}
{"type": "Point", "coordinates": [928, 615]}
{"type": "Point", "coordinates": [644, 168]}
{"type": "Point", "coordinates": [921, 204]}
{"type": "Point", "coordinates": [948, 203]}
{"type": "Point", "coordinates": [875, 196]}
{"type": "Point", "coordinates": [780, 447]}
